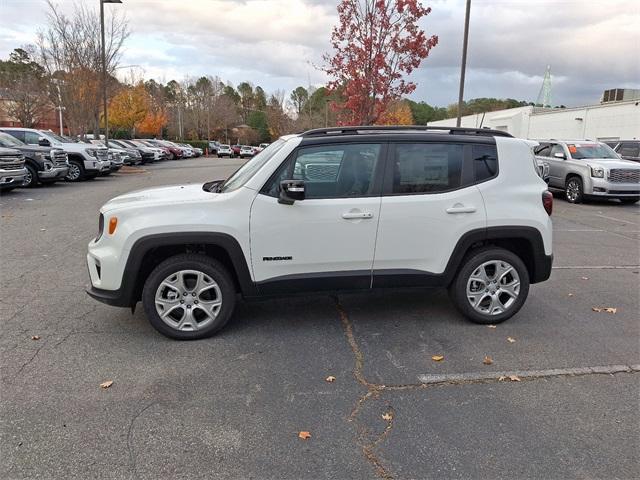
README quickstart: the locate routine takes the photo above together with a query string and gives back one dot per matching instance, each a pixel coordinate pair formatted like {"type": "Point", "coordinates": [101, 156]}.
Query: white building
{"type": "Point", "coordinates": [606, 121]}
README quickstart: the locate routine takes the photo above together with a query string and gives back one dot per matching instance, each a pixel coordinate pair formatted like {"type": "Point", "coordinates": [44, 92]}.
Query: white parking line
{"type": "Point", "coordinates": [433, 379]}
{"type": "Point", "coordinates": [614, 218]}
{"type": "Point", "coordinates": [596, 267]}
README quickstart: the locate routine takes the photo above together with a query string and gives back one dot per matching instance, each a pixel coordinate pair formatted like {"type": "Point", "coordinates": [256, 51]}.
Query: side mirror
{"type": "Point", "coordinates": [290, 191]}
{"type": "Point", "coordinates": [560, 155]}
{"type": "Point", "coordinates": [43, 142]}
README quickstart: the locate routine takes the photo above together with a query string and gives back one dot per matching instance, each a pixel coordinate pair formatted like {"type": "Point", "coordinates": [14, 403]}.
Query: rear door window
{"type": "Point", "coordinates": [426, 168]}
{"type": "Point", "coordinates": [629, 149]}
{"type": "Point", "coordinates": [19, 134]}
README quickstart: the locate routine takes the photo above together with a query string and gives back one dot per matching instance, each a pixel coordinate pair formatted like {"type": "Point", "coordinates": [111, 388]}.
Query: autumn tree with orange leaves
{"type": "Point", "coordinates": [376, 43]}
{"type": "Point", "coordinates": [133, 109]}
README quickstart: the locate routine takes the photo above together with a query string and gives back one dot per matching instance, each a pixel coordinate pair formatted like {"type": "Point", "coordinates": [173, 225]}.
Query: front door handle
{"type": "Point", "coordinates": [355, 215]}
{"type": "Point", "coordinates": [461, 209]}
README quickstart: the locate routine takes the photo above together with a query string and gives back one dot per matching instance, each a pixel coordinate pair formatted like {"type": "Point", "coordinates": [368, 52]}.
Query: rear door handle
{"type": "Point", "coordinates": [461, 209]}
{"type": "Point", "coordinates": [354, 215]}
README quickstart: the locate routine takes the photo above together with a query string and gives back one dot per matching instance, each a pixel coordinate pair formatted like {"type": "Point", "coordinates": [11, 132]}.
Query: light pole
{"type": "Point", "coordinates": [60, 108]}
{"type": "Point", "coordinates": [104, 72]}
{"type": "Point", "coordinates": [464, 62]}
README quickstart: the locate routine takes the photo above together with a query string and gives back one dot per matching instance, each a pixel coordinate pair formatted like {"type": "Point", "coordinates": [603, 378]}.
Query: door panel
{"type": "Point", "coordinates": [326, 240]}
{"type": "Point", "coordinates": [419, 232]}
{"type": "Point", "coordinates": [557, 167]}
{"type": "Point", "coordinates": [315, 236]}
{"type": "Point", "coordinates": [425, 210]}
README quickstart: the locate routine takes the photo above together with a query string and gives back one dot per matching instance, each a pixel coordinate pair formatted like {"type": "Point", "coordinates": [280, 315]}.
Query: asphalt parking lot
{"type": "Point", "coordinates": [232, 406]}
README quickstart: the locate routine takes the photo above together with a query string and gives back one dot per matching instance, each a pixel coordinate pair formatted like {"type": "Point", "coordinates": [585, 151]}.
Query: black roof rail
{"type": "Point", "coordinates": [486, 132]}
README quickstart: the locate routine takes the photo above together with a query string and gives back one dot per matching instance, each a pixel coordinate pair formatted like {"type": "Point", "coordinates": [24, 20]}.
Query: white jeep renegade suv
{"type": "Point", "coordinates": [348, 208]}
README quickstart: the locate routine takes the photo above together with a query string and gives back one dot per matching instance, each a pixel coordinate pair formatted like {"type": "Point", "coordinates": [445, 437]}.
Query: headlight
{"type": "Point", "coordinates": [597, 172]}
{"type": "Point", "coordinates": [92, 152]}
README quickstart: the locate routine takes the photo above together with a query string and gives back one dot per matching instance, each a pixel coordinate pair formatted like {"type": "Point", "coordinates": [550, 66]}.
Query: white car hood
{"type": "Point", "coordinates": [168, 195]}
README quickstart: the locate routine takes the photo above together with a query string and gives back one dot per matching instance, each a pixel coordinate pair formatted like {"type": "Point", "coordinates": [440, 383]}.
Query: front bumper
{"type": "Point", "coordinates": [601, 187]}
{"type": "Point", "coordinates": [54, 173]}
{"type": "Point", "coordinates": [12, 178]}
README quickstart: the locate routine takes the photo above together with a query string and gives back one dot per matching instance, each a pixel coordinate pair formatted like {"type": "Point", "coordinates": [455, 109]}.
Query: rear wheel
{"type": "Point", "coordinates": [629, 200]}
{"type": "Point", "coordinates": [189, 296]}
{"type": "Point", "coordinates": [491, 286]}
{"type": "Point", "coordinates": [574, 191]}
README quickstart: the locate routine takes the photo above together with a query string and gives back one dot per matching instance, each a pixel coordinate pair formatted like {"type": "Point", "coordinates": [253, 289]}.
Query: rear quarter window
{"type": "Point", "coordinates": [485, 162]}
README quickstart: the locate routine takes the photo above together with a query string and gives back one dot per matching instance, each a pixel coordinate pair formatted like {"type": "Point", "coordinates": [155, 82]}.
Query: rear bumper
{"type": "Point", "coordinates": [542, 269]}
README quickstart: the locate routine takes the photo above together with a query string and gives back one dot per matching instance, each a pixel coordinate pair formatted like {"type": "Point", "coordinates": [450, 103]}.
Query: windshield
{"type": "Point", "coordinates": [247, 171]}
{"type": "Point", "coordinates": [57, 138]}
{"type": "Point", "coordinates": [9, 141]}
{"type": "Point", "coordinates": [581, 151]}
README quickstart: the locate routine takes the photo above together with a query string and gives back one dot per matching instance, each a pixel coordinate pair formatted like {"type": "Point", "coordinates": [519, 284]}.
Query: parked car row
{"type": "Point", "coordinates": [589, 169]}
{"type": "Point", "coordinates": [29, 156]}
{"type": "Point", "coordinates": [232, 151]}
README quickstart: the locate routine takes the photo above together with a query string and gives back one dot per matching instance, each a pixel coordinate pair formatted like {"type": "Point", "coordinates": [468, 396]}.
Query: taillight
{"type": "Point", "coordinates": [547, 201]}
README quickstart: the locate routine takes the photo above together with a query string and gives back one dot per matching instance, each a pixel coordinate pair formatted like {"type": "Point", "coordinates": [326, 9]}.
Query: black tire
{"type": "Point", "coordinates": [574, 190]}
{"type": "Point", "coordinates": [202, 263]}
{"type": "Point", "coordinates": [75, 175]}
{"type": "Point", "coordinates": [629, 200]}
{"type": "Point", "coordinates": [458, 288]}
{"type": "Point", "coordinates": [32, 178]}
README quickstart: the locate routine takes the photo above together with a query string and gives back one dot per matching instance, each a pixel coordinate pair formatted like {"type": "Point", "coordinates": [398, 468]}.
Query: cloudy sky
{"type": "Point", "coordinates": [591, 45]}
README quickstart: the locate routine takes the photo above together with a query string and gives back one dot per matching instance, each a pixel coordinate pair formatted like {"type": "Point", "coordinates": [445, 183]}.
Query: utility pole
{"type": "Point", "coordinates": [104, 74]}
{"type": "Point", "coordinates": [464, 62]}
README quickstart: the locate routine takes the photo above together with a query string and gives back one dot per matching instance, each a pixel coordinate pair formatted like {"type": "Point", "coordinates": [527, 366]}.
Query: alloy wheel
{"type": "Point", "coordinates": [493, 287]}
{"type": "Point", "coordinates": [573, 190]}
{"type": "Point", "coordinates": [74, 172]}
{"type": "Point", "coordinates": [188, 300]}
{"type": "Point", "coordinates": [27, 179]}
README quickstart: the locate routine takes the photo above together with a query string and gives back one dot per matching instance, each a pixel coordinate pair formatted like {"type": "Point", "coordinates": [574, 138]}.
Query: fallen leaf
{"type": "Point", "coordinates": [106, 384]}
{"type": "Point", "coordinates": [487, 360]}
{"type": "Point", "coordinates": [511, 339]}
{"type": "Point", "coordinates": [514, 378]}
{"type": "Point", "coordinates": [491, 326]}
{"type": "Point", "coordinates": [604, 309]}
{"type": "Point", "coordinates": [585, 278]}
{"type": "Point", "coordinates": [330, 379]}
{"type": "Point", "coordinates": [35, 337]}
{"type": "Point", "coordinates": [502, 378]}
{"type": "Point", "coordinates": [570, 295]}
{"type": "Point", "coordinates": [304, 435]}
{"type": "Point", "coordinates": [387, 416]}
{"type": "Point", "coordinates": [437, 358]}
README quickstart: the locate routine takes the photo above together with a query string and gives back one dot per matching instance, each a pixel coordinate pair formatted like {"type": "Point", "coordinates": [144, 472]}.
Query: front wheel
{"type": "Point", "coordinates": [574, 191]}
{"type": "Point", "coordinates": [31, 180]}
{"type": "Point", "coordinates": [491, 286]}
{"type": "Point", "coordinates": [76, 172]}
{"type": "Point", "coordinates": [189, 296]}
